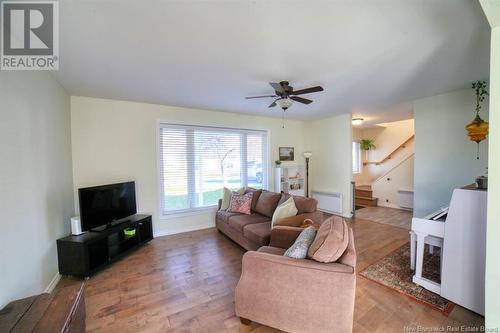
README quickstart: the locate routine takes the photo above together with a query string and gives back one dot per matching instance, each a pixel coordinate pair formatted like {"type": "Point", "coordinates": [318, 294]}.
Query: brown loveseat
{"type": "Point", "coordinates": [297, 295]}
{"type": "Point", "coordinates": [254, 230]}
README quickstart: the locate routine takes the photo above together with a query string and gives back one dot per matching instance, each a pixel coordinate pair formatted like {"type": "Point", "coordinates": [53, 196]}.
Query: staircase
{"type": "Point", "coordinates": [364, 196]}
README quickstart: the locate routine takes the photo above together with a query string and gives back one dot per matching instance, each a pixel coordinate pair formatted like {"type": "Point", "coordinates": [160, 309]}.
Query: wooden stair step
{"type": "Point", "coordinates": [366, 201]}
{"type": "Point", "coordinates": [364, 193]}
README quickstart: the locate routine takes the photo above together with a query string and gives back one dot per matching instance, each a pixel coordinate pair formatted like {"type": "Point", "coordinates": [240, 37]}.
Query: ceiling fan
{"type": "Point", "coordinates": [285, 95]}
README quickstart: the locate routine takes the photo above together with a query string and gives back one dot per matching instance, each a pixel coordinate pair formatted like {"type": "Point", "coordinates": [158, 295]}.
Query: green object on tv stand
{"type": "Point", "coordinates": [129, 231]}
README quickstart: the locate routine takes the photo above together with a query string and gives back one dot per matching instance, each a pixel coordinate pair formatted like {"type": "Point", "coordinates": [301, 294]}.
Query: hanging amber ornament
{"type": "Point", "coordinates": [478, 128]}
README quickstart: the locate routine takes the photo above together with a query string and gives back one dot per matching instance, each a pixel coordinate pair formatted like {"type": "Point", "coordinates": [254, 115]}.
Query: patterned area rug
{"type": "Point", "coordinates": [394, 271]}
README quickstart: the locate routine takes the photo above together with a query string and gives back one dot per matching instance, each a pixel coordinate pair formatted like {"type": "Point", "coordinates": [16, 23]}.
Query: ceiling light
{"type": "Point", "coordinates": [357, 121]}
{"type": "Point", "coordinates": [284, 103]}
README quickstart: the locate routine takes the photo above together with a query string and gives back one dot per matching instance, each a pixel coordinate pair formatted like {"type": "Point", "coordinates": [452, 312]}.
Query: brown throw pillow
{"type": "Point", "coordinates": [256, 195]}
{"type": "Point", "coordinates": [303, 204]}
{"type": "Point", "coordinates": [241, 203]}
{"type": "Point", "coordinates": [267, 203]}
{"type": "Point", "coordinates": [331, 241]}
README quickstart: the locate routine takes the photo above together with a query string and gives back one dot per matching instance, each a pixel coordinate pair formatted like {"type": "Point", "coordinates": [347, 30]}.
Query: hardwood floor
{"type": "Point", "coordinates": [185, 283]}
{"type": "Point", "coordinates": [392, 216]}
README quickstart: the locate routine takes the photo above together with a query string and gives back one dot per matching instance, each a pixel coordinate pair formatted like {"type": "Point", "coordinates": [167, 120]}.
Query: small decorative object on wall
{"type": "Point", "coordinates": [478, 128]}
{"type": "Point", "coordinates": [277, 163]}
{"type": "Point", "coordinates": [367, 144]}
{"type": "Point", "coordinates": [286, 153]}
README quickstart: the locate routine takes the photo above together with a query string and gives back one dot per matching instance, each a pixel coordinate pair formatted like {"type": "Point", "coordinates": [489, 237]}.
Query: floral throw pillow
{"type": "Point", "coordinates": [241, 203]}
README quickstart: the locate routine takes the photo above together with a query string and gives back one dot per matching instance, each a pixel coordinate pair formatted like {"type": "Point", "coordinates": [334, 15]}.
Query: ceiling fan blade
{"type": "Point", "coordinates": [264, 96]}
{"type": "Point", "coordinates": [301, 100]}
{"type": "Point", "coordinates": [277, 87]}
{"type": "Point", "coordinates": [307, 90]}
{"type": "Point", "coordinates": [273, 104]}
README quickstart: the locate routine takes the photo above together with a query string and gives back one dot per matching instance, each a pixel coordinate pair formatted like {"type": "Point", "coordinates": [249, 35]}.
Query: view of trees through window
{"type": "Point", "coordinates": [196, 163]}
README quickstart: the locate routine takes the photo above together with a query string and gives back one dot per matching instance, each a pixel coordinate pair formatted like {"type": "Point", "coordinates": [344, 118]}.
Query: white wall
{"type": "Point", "coordinates": [445, 158]}
{"type": "Point", "coordinates": [330, 141]}
{"type": "Point", "coordinates": [36, 196]}
{"type": "Point", "coordinates": [117, 140]}
{"type": "Point", "coordinates": [401, 178]}
{"type": "Point", "coordinates": [492, 317]}
{"type": "Point", "coordinates": [386, 139]}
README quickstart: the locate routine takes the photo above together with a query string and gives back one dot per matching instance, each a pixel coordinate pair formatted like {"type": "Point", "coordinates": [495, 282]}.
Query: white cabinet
{"type": "Point", "coordinates": [290, 179]}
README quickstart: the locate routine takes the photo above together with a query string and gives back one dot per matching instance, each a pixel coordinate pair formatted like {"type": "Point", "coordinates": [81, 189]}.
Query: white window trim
{"type": "Point", "coordinates": [360, 163]}
{"type": "Point", "coordinates": [208, 209]}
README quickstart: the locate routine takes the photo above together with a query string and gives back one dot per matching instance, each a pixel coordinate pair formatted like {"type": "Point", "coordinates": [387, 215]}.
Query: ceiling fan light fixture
{"type": "Point", "coordinates": [357, 121]}
{"type": "Point", "coordinates": [284, 103]}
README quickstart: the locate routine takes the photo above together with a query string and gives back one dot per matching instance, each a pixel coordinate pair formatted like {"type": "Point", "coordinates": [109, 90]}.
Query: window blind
{"type": "Point", "coordinates": [197, 162]}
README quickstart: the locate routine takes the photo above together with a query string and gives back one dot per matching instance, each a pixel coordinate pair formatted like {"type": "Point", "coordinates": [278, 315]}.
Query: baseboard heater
{"type": "Point", "coordinates": [330, 202]}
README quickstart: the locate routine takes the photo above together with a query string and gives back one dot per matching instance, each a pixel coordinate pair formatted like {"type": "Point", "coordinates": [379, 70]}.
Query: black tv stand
{"type": "Point", "coordinates": [100, 228]}
{"type": "Point", "coordinates": [85, 254]}
{"type": "Point", "coordinates": [111, 224]}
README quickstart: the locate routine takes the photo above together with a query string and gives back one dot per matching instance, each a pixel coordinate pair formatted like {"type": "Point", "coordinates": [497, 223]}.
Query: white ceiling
{"type": "Point", "coordinates": [373, 118]}
{"type": "Point", "coordinates": [210, 54]}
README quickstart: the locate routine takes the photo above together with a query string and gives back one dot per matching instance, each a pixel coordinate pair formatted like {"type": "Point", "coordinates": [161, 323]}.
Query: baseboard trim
{"type": "Point", "coordinates": [53, 283]}
{"type": "Point", "coordinates": [180, 231]}
{"type": "Point", "coordinates": [348, 216]}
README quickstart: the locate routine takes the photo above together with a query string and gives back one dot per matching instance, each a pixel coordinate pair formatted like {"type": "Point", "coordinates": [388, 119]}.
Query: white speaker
{"type": "Point", "coordinates": [76, 226]}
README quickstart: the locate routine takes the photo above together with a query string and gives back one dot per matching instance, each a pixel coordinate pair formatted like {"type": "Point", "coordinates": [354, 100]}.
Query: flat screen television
{"type": "Point", "coordinates": [102, 205]}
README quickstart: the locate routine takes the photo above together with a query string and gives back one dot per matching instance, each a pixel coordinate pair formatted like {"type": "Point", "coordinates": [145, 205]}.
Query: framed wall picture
{"type": "Point", "coordinates": [286, 153]}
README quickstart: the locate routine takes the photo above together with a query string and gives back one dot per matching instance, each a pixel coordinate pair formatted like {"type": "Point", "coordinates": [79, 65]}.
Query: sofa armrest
{"type": "Point", "coordinates": [297, 220]}
{"type": "Point", "coordinates": [302, 264]}
{"type": "Point", "coordinates": [296, 295]}
{"type": "Point", "coordinates": [283, 236]}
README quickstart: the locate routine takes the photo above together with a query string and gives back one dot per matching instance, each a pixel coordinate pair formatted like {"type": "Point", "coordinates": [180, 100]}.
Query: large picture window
{"type": "Point", "coordinates": [197, 162]}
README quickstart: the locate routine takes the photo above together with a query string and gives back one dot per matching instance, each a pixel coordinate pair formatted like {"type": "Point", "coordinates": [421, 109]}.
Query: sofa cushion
{"type": "Point", "coordinates": [286, 209]}
{"type": "Point", "coordinates": [272, 250]}
{"type": "Point", "coordinates": [241, 203]}
{"type": "Point", "coordinates": [349, 256]}
{"type": "Point", "coordinates": [299, 248]}
{"type": "Point", "coordinates": [238, 222]}
{"type": "Point", "coordinates": [259, 233]}
{"type": "Point", "coordinates": [267, 203]}
{"type": "Point", "coordinates": [331, 240]}
{"type": "Point", "coordinates": [226, 197]}
{"type": "Point", "coordinates": [303, 204]}
{"type": "Point", "coordinates": [224, 215]}
{"type": "Point", "coordinates": [256, 195]}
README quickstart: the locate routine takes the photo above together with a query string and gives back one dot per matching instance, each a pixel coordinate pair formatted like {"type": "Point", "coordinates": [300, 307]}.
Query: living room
{"type": "Point", "coordinates": [218, 115]}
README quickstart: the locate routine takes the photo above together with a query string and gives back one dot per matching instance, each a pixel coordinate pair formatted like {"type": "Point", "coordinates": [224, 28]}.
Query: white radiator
{"type": "Point", "coordinates": [405, 199]}
{"type": "Point", "coordinates": [329, 202]}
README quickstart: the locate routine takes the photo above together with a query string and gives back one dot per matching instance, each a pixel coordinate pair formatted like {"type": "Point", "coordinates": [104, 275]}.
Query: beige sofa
{"type": "Point", "coordinates": [254, 230]}
{"type": "Point", "coordinates": [296, 295]}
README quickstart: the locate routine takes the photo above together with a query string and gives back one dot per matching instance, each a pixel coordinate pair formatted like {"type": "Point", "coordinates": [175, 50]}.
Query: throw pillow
{"type": "Point", "coordinates": [286, 209]}
{"type": "Point", "coordinates": [331, 241]}
{"type": "Point", "coordinates": [226, 198]}
{"type": "Point", "coordinates": [267, 203]}
{"type": "Point", "coordinates": [241, 203]}
{"type": "Point", "coordinates": [256, 195]}
{"type": "Point", "coordinates": [301, 245]}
